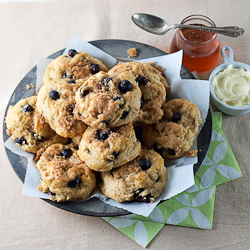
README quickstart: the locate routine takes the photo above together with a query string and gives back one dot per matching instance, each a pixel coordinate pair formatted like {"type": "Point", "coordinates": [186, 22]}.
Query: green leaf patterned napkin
{"type": "Point", "coordinates": [194, 207]}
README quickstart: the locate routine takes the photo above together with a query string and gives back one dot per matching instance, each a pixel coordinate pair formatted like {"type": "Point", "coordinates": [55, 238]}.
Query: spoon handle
{"type": "Point", "coordinates": [232, 31]}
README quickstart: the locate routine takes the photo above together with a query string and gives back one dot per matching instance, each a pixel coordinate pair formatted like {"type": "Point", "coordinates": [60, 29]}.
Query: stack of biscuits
{"type": "Point", "coordinates": [82, 123]}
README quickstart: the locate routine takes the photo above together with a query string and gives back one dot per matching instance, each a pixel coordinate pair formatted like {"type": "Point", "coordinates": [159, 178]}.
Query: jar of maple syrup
{"type": "Point", "coordinates": [201, 49]}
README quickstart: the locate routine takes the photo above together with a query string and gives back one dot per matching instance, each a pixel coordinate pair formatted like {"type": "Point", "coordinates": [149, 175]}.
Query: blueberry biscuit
{"type": "Point", "coordinates": [74, 68]}
{"type": "Point", "coordinates": [106, 149]}
{"type": "Point", "coordinates": [63, 175]}
{"type": "Point", "coordinates": [154, 88]}
{"type": "Point", "coordinates": [142, 179]}
{"type": "Point", "coordinates": [174, 135]}
{"type": "Point", "coordinates": [108, 100]}
{"type": "Point", "coordinates": [56, 102]}
{"type": "Point", "coordinates": [28, 127]}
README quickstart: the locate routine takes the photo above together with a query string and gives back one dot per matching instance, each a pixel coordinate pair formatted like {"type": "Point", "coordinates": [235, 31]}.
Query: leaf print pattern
{"type": "Point", "coordinates": [140, 233]}
{"type": "Point", "coordinates": [228, 171]}
{"type": "Point", "coordinates": [199, 218]}
{"type": "Point", "coordinates": [207, 161]}
{"type": "Point", "coordinates": [216, 136]}
{"type": "Point", "coordinates": [213, 163]}
{"type": "Point", "coordinates": [178, 216]}
{"type": "Point", "coordinates": [202, 197]}
{"type": "Point", "coordinates": [193, 189]}
{"type": "Point", "coordinates": [220, 152]}
{"type": "Point", "coordinates": [184, 200]}
{"type": "Point", "coordinates": [208, 178]}
{"type": "Point", "coordinates": [157, 215]}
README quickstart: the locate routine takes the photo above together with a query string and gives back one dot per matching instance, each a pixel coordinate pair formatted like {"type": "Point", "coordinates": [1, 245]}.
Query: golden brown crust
{"type": "Point", "coordinates": [174, 136]}
{"type": "Point", "coordinates": [135, 181]}
{"type": "Point", "coordinates": [64, 177]}
{"type": "Point", "coordinates": [28, 127]}
{"type": "Point", "coordinates": [120, 147]}
{"type": "Point", "coordinates": [154, 91]}
{"type": "Point", "coordinates": [77, 68]}
{"type": "Point", "coordinates": [100, 103]}
{"type": "Point", "coordinates": [190, 114]}
{"type": "Point", "coordinates": [59, 113]}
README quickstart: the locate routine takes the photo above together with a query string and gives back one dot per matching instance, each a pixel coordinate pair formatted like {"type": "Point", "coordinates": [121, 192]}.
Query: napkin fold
{"type": "Point", "coordinates": [193, 207]}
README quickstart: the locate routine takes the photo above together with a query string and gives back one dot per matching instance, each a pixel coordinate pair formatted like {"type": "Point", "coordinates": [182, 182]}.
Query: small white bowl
{"type": "Point", "coordinates": [229, 60]}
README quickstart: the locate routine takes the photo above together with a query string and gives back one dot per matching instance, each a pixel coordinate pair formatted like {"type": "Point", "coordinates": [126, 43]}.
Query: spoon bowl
{"type": "Point", "coordinates": [150, 23]}
{"type": "Point", "coordinates": [158, 26]}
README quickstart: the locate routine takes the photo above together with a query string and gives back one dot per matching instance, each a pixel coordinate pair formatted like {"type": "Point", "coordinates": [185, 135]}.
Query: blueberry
{"type": "Point", "coordinates": [159, 150]}
{"type": "Point", "coordinates": [145, 164]}
{"type": "Point", "coordinates": [71, 108]}
{"type": "Point", "coordinates": [20, 141]}
{"type": "Point", "coordinates": [124, 114]}
{"type": "Point", "coordinates": [142, 80]}
{"type": "Point", "coordinates": [113, 158]}
{"type": "Point", "coordinates": [71, 81]}
{"type": "Point", "coordinates": [89, 151]}
{"type": "Point", "coordinates": [176, 117]}
{"type": "Point", "coordinates": [171, 151]}
{"type": "Point", "coordinates": [142, 101]}
{"type": "Point", "coordinates": [72, 52]}
{"type": "Point", "coordinates": [85, 92]}
{"type": "Point", "coordinates": [66, 76]}
{"type": "Point", "coordinates": [50, 193]}
{"type": "Point", "coordinates": [54, 95]}
{"type": "Point", "coordinates": [137, 192]}
{"type": "Point", "coordinates": [75, 182]}
{"type": "Point", "coordinates": [106, 122]}
{"type": "Point", "coordinates": [27, 108]}
{"type": "Point", "coordinates": [95, 68]}
{"type": "Point", "coordinates": [103, 135]}
{"type": "Point", "coordinates": [105, 81]}
{"type": "Point", "coordinates": [115, 154]}
{"type": "Point", "coordinates": [125, 86]}
{"type": "Point", "coordinates": [145, 198]}
{"type": "Point", "coordinates": [66, 153]}
{"type": "Point", "coordinates": [138, 197]}
{"type": "Point", "coordinates": [117, 98]}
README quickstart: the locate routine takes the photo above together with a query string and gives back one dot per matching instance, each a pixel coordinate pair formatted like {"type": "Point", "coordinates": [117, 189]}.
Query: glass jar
{"type": "Point", "coordinates": [201, 49]}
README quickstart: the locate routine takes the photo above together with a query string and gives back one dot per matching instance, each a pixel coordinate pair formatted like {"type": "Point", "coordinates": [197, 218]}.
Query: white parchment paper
{"type": "Point", "coordinates": [181, 177]}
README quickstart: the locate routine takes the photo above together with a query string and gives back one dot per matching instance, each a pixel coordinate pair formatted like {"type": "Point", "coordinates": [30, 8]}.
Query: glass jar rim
{"type": "Point", "coordinates": [201, 17]}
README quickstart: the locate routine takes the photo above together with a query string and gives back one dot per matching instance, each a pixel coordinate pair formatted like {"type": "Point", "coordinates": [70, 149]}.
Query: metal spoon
{"type": "Point", "coordinates": [159, 26]}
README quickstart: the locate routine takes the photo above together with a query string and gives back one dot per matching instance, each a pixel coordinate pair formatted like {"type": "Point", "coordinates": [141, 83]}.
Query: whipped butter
{"type": "Point", "coordinates": [232, 86]}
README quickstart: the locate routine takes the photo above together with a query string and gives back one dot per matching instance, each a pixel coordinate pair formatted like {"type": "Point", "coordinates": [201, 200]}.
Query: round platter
{"type": "Point", "coordinates": [118, 49]}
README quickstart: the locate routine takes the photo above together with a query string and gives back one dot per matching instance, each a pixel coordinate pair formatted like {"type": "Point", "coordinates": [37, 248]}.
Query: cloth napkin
{"type": "Point", "coordinates": [193, 207]}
